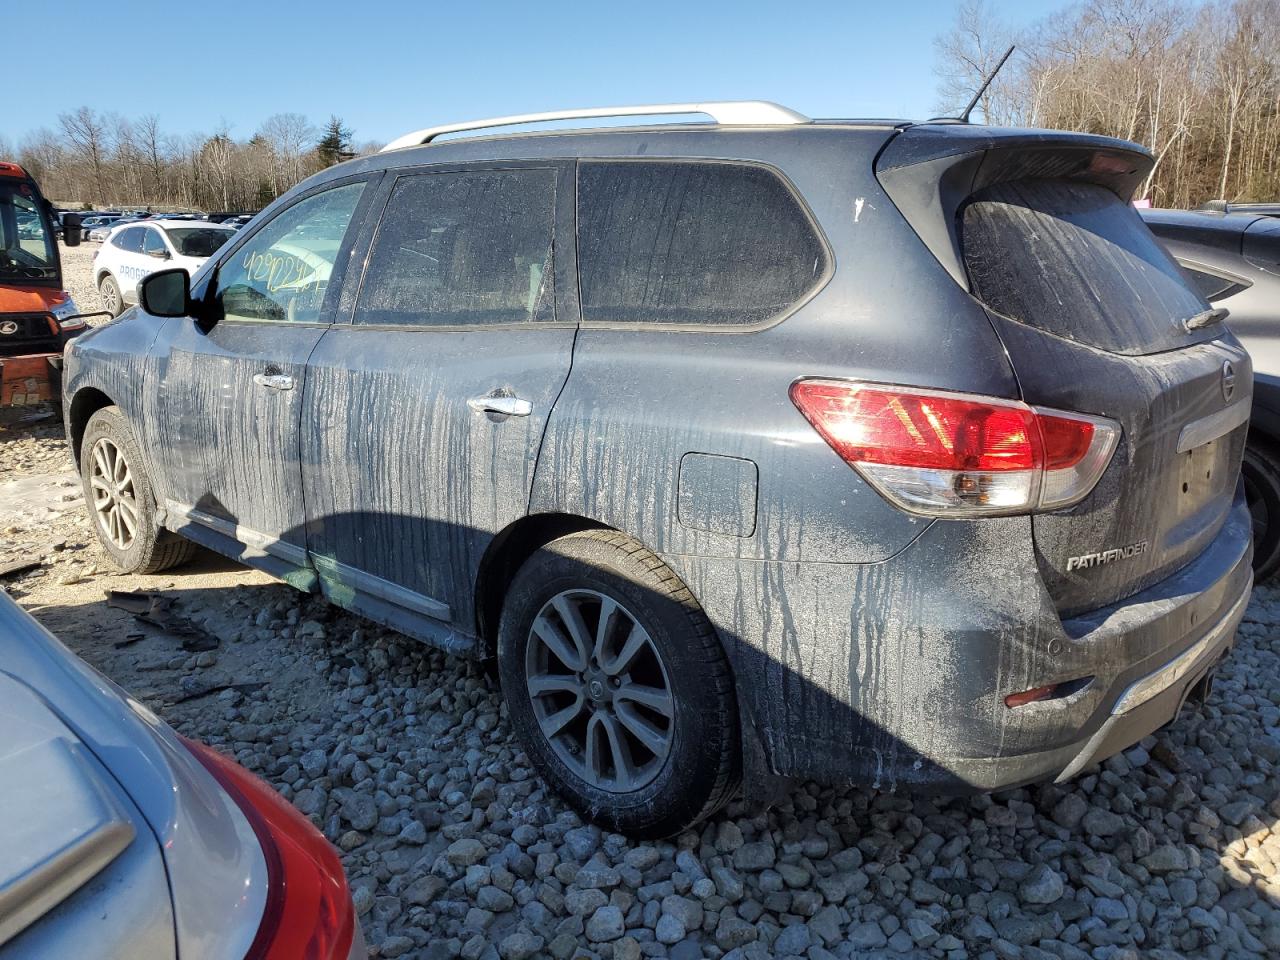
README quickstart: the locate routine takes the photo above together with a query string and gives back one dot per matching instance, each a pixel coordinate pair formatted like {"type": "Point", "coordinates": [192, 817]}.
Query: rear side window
{"type": "Point", "coordinates": [462, 249]}
{"type": "Point", "coordinates": [1075, 260]}
{"type": "Point", "coordinates": [718, 244]}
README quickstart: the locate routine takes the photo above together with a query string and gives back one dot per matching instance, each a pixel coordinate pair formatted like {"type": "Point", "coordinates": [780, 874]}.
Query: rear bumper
{"type": "Point", "coordinates": [1148, 702]}
{"type": "Point", "coordinates": [894, 674]}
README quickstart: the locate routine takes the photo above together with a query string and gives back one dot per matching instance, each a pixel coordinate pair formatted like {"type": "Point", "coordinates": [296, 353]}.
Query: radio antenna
{"type": "Point", "coordinates": [964, 116]}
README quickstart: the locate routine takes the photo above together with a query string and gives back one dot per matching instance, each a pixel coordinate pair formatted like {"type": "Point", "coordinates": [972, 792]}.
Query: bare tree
{"type": "Point", "coordinates": [1197, 83]}
{"type": "Point", "coordinates": [290, 136]}
{"type": "Point", "coordinates": [86, 132]}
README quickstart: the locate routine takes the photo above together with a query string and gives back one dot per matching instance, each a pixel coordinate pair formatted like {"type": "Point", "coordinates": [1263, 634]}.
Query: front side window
{"type": "Point", "coordinates": [282, 272]}
{"type": "Point", "coordinates": [153, 243]}
{"type": "Point", "coordinates": [680, 242]}
{"type": "Point", "coordinates": [26, 246]}
{"type": "Point", "coordinates": [464, 248]}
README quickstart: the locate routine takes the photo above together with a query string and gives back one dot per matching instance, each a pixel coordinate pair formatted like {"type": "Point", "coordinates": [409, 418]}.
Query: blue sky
{"type": "Point", "coordinates": [388, 67]}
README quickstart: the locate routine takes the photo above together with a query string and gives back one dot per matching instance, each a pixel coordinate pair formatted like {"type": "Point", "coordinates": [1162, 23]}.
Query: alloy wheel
{"type": "Point", "coordinates": [600, 691]}
{"type": "Point", "coordinates": [114, 499]}
{"type": "Point", "coordinates": [110, 298]}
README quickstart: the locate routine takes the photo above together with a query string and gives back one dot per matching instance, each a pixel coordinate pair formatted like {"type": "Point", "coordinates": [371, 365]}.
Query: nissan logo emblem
{"type": "Point", "coordinates": [1228, 379]}
{"type": "Point", "coordinates": [8, 328]}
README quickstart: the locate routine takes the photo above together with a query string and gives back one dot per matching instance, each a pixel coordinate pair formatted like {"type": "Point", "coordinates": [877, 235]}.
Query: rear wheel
{"type": "Point", "coordinates": [112, 301]}
{"type": "Point", "coordinates": [1261, 473]}
{"type": "Point", "coordinates": [617, 685]}
{"type": "Point", "coordinates": [117, 492]}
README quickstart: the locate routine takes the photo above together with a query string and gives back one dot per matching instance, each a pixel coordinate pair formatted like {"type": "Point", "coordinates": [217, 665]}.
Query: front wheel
{"type": "Point", "coordinates": [117, 492]}
{"type": "Point", "coordinates": [112, 301]}
{"type": "Point", "coordinates": [617, 685]}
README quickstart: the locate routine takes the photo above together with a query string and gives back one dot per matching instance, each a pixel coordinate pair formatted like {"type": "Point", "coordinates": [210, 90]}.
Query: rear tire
{"type": "Point", "coordinates": [1261, 473]}
{"type": "Point", "coordinates": [119, 498]}
{"type": "Point", "coordinates": [112, 300]}
{"type": "Point", "coordinates": [650, 745]}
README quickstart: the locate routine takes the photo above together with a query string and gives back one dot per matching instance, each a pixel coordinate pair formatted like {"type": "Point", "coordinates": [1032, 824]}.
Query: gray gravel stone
{"type": "Point", "coordinates": [605, 924]}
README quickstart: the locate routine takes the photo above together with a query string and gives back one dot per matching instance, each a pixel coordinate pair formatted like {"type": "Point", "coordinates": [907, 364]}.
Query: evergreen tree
{"type": "Point", "coordinates": [335, 143]}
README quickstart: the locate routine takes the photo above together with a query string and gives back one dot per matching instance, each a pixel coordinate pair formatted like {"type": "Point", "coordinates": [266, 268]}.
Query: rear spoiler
{"type": "Point", "coordinates": [929, 170]}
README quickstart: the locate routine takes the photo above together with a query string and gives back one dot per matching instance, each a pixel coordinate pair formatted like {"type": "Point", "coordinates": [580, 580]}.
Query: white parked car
{"type": "Point", "coordinates": [134, 250]}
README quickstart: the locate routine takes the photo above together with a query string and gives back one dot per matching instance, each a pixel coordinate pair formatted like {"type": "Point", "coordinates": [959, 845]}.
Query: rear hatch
{"type": "Point", "coordinates": [1096, 319]}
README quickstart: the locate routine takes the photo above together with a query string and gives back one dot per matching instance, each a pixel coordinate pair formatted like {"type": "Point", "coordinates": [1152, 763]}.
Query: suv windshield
{"type": "Point", "coordinates": [198, 241]}
{"type": "Point", "coordinates": [26, 247]}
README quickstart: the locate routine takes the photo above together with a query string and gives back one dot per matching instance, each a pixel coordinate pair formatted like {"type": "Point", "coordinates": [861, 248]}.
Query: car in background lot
{"type": "Point", "coordinates": [124, 839]}
{"type": "Point", "coordinates": [134, 250]}
{"type": "Point", "coordinates": [1233, 259]}
{"type": "Point", "coordinates": [100, 223]}
{"type": "Point", "coordinates": [767, 467]}
{"type": "Point", "coordinates": [237, 222]}
{"type": "Point", "coordinates": [100, 231]}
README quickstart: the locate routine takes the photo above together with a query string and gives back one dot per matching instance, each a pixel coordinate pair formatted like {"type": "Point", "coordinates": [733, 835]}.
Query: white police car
{"type": "Point", "coordinates": [134, 250]}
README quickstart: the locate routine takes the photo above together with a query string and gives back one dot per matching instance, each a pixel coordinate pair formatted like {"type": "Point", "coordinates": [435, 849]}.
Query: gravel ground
{"type": "Point", "coordinates": [404, 758]}
{"type": "Point", "coordinates": [77, 272]}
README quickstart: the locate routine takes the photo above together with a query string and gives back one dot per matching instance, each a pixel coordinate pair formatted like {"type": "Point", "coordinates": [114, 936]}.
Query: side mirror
{"type": "Point", "coordinates": [158, 254]}
{"type": "Point", "coordinates": [71, 230]}
{"type": "Point", "coordinates": [166, 293]}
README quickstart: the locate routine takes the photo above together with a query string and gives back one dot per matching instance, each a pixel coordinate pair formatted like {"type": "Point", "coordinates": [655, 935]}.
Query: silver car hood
{"type": "Point", "coordinates": [216, 870]}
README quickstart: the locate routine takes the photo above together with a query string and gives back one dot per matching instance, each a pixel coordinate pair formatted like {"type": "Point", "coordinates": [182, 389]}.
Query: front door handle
{"type": "Point", "coordinates": [502, 406]}
{"type": "Point", "coordinates": [274, 381]}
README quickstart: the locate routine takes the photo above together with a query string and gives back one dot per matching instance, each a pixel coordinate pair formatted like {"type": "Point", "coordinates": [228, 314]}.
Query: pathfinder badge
{"type": "Point", "coordinates": [1087, 560]}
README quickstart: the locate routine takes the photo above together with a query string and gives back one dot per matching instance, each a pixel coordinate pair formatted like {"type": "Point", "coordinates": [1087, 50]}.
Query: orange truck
{"type": "Point", "coordinates": [37, 316]}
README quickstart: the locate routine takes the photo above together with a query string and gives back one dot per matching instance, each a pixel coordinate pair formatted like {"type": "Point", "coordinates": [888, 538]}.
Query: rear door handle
{"type": "Point", "coordinates": [503, 406]}
{"type": "Point", "coordinates": [274, 381]}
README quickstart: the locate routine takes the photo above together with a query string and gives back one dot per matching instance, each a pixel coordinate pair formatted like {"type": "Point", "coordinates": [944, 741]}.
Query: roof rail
{"type": "Point", "coordinates": [737, 113]}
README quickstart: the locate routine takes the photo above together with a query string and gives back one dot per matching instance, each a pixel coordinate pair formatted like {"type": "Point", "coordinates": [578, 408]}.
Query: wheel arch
{"type": "Point", "coordinates": [86, 402]}
{"type": "Point", "coordinates": [504, 556]}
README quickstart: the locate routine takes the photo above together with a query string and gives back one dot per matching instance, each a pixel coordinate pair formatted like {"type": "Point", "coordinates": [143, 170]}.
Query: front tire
{"type": "Point", "coordinates": [1261, 472]}
{"type": "Point", "coordinates": [112, 300]}
{"type": "Point", "coordinates": [617, 685]}
{"type": "Point", "coordinates": [118, 495]}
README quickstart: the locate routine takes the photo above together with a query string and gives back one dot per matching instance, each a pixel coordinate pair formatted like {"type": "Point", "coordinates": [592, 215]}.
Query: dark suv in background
{"type": "Point", "coordinates": [1232, 258]}
{"type": "Point", "coordinates": [865, 451]}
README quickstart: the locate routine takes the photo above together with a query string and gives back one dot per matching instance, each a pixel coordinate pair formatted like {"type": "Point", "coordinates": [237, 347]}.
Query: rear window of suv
{"type": "Point", "coordinates": [1075, 260]}
{"type": "Point", "coordinates": [692, 243]}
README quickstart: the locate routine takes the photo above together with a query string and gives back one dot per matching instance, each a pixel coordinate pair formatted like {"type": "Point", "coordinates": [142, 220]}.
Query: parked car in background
{"type": "Point", "coordinates": [127, 840]}
{"type": "Point", "coordinates": [776, 466]}
{"type": "Point", "coordinates": [1233, 259]}
{"type": "Point", "coordinates": [99, 222]}
{"type": "Point", "coordinates": [100, 231]}
{"type": "Point", "coordinates": [137, 249]}
{"type": "Point", "coordinates": [1256, 209]}
{"type": "Point", "coordinates": [237, 222]}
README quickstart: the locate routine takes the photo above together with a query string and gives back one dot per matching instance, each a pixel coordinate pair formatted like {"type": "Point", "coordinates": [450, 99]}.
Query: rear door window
{"type": "Point", "coordinates": [692, 243]}
{"type": "Point", "coordinates": [463, 249]}
{"type": "Point", "coordinates": [129, 239]}
{"type": "Point", "coordinates": [1076, 261]}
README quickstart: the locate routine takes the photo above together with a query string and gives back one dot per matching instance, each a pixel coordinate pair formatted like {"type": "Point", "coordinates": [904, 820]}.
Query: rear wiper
{"type": "Point", "coordinates": [1215, 315]}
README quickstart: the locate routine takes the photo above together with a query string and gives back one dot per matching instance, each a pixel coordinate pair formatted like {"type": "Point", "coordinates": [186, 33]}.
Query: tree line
{"type": "Point", "coordinates": [105, 160]}
{"type": "Point", "coordinates": [1198, 84]}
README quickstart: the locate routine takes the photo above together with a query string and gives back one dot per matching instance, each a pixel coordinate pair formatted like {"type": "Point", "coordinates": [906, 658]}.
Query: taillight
{"type": "Point", "coordinates": [308, 915]}
{"type": "Point", "coordinates": [954, 454]}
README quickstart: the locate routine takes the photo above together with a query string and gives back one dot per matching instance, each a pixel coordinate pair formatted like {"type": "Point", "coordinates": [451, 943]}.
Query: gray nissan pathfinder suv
{"type": "Point", "coordinates": [868, 451]}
